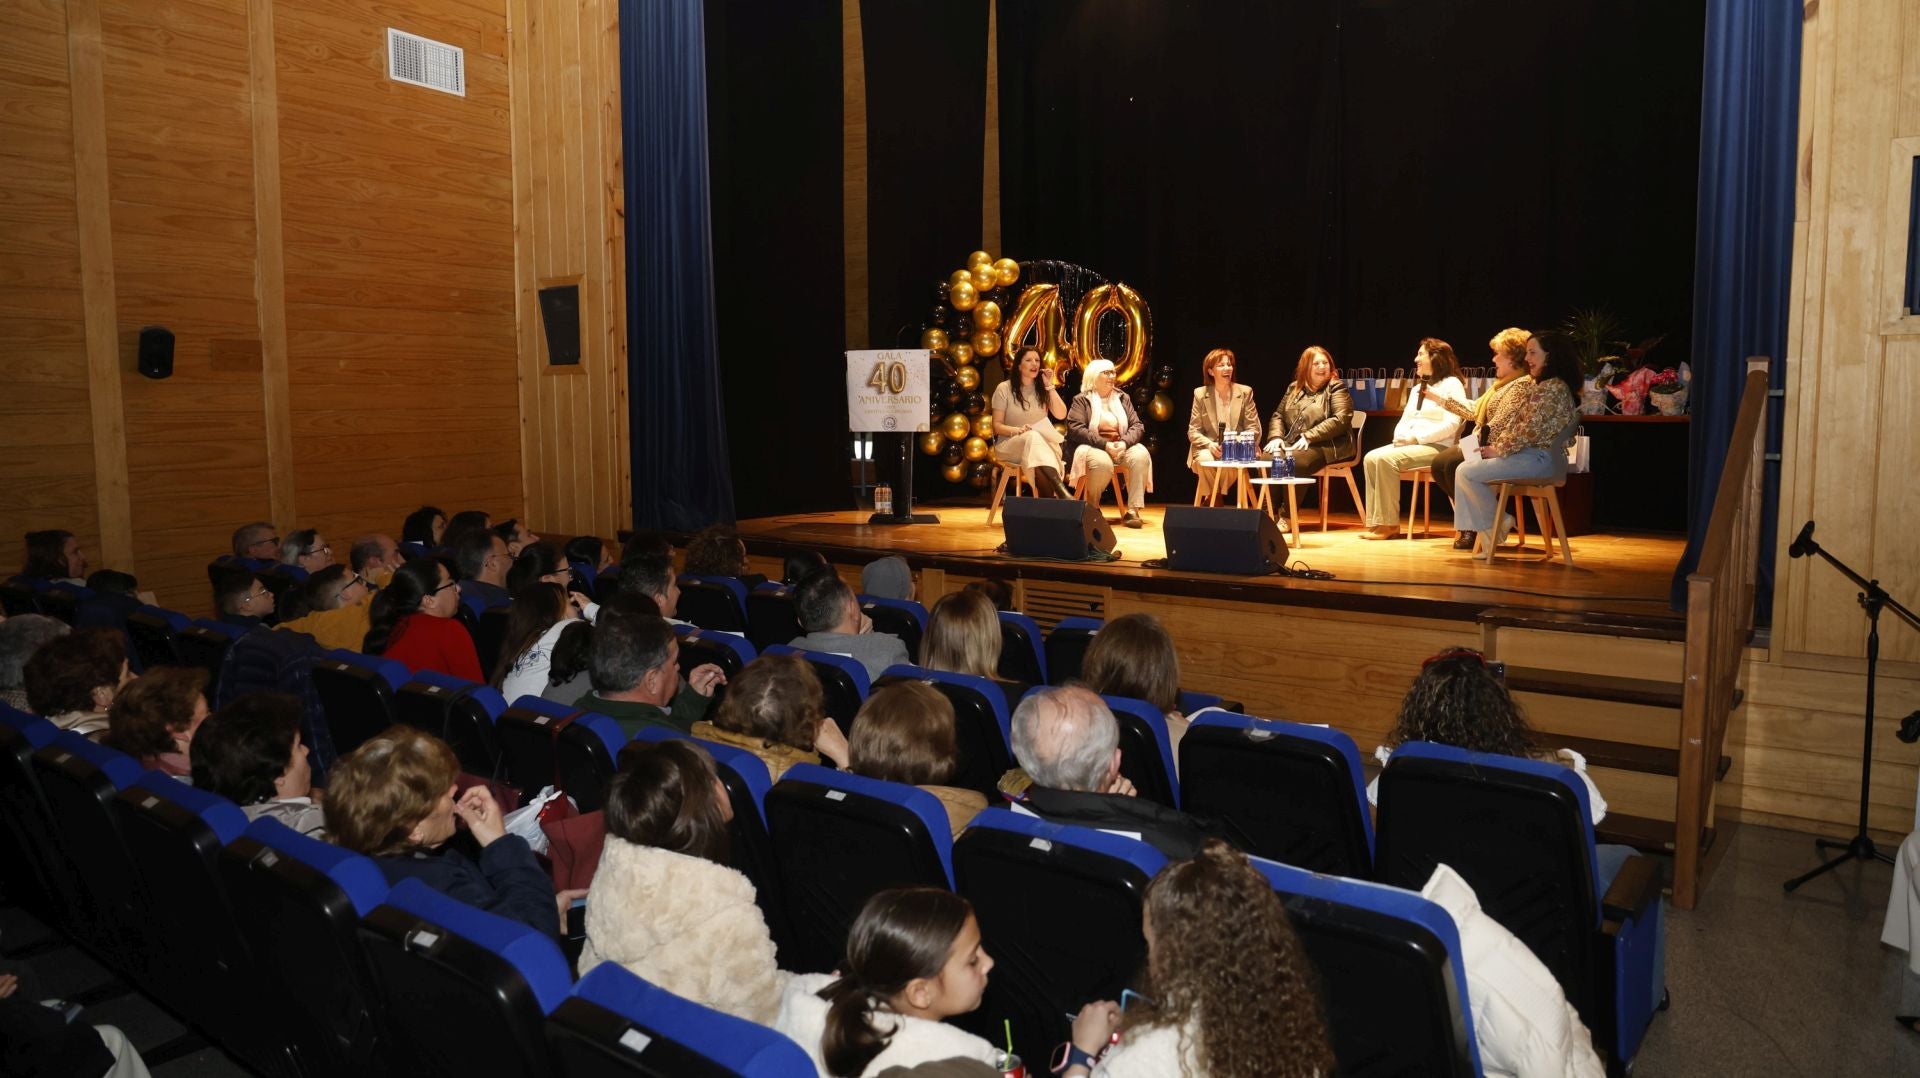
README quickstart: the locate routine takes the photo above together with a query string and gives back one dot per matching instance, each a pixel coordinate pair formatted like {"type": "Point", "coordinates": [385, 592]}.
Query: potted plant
{"type": "Point", "coordinates": [1667, 392]}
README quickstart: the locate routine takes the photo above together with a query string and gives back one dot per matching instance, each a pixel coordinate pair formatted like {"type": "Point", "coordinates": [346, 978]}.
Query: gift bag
{"type": "Point", "coordinates": [1579, 455]}
{"type": "Point", "coordinates": [1398, 389]}
{"type": "Point", "coordinates": [525, 821]}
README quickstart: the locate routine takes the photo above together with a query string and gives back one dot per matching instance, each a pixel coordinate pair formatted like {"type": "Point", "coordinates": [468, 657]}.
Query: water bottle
{"type": "Point", "coordinates": [1286, 466]}
{"type": "Point", "coordinates": [883, 499]}
{"type": "Point", "coordinates": [1230, 450]}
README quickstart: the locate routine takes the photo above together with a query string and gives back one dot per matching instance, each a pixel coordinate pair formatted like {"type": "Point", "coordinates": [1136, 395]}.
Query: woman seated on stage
{"type": "Point", "coordinates": [1024, 408]}
{"type": "Point", "coordinates": [412, 622]}
{"type": "Point", "coordinates": [905, 733]}
{"type": "Point", "coordinates": [1104, 432]}
{"type": "Point", "coordinates": [1526, 429]}
{"type": "Point", "coordinates": [1429, 425]}
{"type": "Point", "coordinates": [1509, 367]}
{"type": "Point", "coordinates": [1314, 422]}
{"type": "Point", "coordinates": [963, 637]}
{"type": "Point", "coordinates": [1133, 656]}
{"type": "Point", "coordinates": [775, 709]}
{"type": "Point", "coordinates": [1220, 405]}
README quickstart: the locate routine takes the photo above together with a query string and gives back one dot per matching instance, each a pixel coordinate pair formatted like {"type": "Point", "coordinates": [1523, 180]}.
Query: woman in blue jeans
{"type": "Point", "coordinates": [1524, 428]}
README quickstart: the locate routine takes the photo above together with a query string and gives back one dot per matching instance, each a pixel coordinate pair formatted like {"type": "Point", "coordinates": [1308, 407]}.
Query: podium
{"type": "Point", "coordinates": [887, 395]}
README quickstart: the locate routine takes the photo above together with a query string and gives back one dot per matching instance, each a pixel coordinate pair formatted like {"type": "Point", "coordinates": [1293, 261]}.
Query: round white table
{"type": "Point", "coordinates": [1293, 501]}
{"type": "Point", "coordinates": [1218, 468]}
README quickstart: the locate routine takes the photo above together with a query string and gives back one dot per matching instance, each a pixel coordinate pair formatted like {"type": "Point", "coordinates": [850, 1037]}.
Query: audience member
{"type": "Point", "coordinates": [116, 596]}
{"type": "Point", "coordinates": [716, 550]}
{"type": "Point", "coordinates": [1068, 744]}
{"type": "Point", "coordinates": [463, 523]}
{"type": "Point", "coordinates": [54, 555]}
{"type": "Point", "coordinates": [481, 559]}
{"type": "Point", "coordinates": [374, 558]}
{"type": "Point", "coordinates": [306, 550]}
{"type": "Point", "coordinates": [905, 733]}
{"type": "Point", "coordinates": [591, 550]}
{"type": "Point", "coordinates": [424, 526]}
{"type": "Point", "coordinates": [830, 614]}
{"type": "Point", "coordinates": [540, 613]}
{"type": "Point", "coordinates": [516, 535]}
{"type": "Point", "coordinates": [995, 589]}
{"type": "Point", "coordinates": [394, 799]}
{"type": "Point", "coordinates": [332, 606]}
{"type": "Point", "coordinates": [154, 719]}
{"type": "Point", "coordinates": [21, 636]}
{"type": "Point", "coordinates": [72, 680]}
{"type": "Point", "coordinates": [538, 564]}
{"type": "Point", "coordinates": [1231, 993]}
{"type": "Point", "coordinates": [412, 622]}
{"type": "Point", "coordinates": [653, 577]}
{"type": "Point", "coordinates": [776, 710]}
{"type": "Point", "coordinates": [112, 582]}
{"type": "Point", "coordinates": [256, 542]}
{"type": "Point", "coordinates": [251, 753]}
{"type": "Point", "coordinates": [1133, 656]}
{"type": "Point", "coordinates": [914, 959]}
{"type": "Point", "coordinates": [888, 578]}
{"type": "Point", "coordinates": [570, 663]}
{"type": "Point", "coordinates": [963, 637]}
{"type": "Point", "coordinates": [800, 565]}
{"type": "Point", "coordinates": [239, 598]}
{"type": "Point", "coordinates": [635, 669]}
{"type": "Point", "coordinates": [664, 902]}
{"type": "Point", "coordinates": [645, 543]}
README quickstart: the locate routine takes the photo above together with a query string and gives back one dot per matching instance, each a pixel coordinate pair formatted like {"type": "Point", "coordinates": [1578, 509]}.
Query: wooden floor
{"type": "Point", "coordinates": [1615, 574]}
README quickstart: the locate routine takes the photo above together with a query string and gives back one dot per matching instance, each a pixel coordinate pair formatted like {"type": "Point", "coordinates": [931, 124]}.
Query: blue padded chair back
{"type": "Point", "coordinates": [150, 630]}
{"type": "Point", "coordinates": [1191, 702]}
{"type": "Point", "coordinates": [357, 691]}
{"type": "Point", "coordinates": [843, 681]}
{"type": "Point", "coordinates": [414, 550]}
{"type": "Point", "coordinates": [466, 991]}
{"type": "Point", "coordinates": [175, 834]}
{"type": "Point", "coordinates": [298, 902]}
{"type": "Point", "coordinates": [80, 780]}
{"type": "Point", "coordinates": [771, 618]}
{"type": "Point", "coordinates": [1022, 649]}
{"type": "Point", "coordinates": [903, 618]}
{"type": "Point", "coordinates": [45, 883]}
{"type": "Point", "coordinates": [1519, 832]}
{"type": "Point", "coordinates": [1294, 793]}
{"type": "Point", "coordinates": [1146, 751]}
{"type": "Point", "coordinates": [63, 601]}
{"type": "Point", "coordinates": [838, 840]}
{"type": "Point", "coordinates": [204, 644]}
{"type": "Point", "coordinates": [458, 712]}
{"type": "Point", "coordinates": [528, 732]}
{"type": "Point", "coordinates": [489, 635]}
{"type": "Point", "coordinates": [1392, 976]}
{"type": "Point", "coordinates": [717, 603]}
{"type": "Point", "coordinates": [616, 1025]}
{"type": "Point", "coordinates": [981, 724]}
{"type": "Point", "coordinates": [584, 758]}
{"type": "Point", "coordinates": [723, 649]}
{"type": "Point", "coordinates": [1067, 647]}
{"type": "Point", "coordinates": [1059, 911]}
{"type": "Point", "coordinates": [584, 571]}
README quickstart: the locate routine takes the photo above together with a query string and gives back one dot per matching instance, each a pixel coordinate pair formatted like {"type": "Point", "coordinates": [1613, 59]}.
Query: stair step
{"type": "Point", "coordinates": [1644, 833]}
{"type": "Point", "coordinates": [1594, 623]}
{"type": "Point", "coordinates": [1624, 755]}
{"type": "Point", "coordinates": [1619, 690]}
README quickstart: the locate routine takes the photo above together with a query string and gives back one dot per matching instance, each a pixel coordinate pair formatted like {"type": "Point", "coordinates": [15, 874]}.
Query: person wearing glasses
{"type": "Point", "coordinates": [411, 622]}
{"type": "Point", "coordinates": [256, 545]}
{"type": "Point", "coordinates": [481, 557]}
{"type": "Point", "coordinates": [239, 598]}
{"type": "Point", "coordinates": [330, 606]}
{"type": "Point", "coordinates": [306, 550]}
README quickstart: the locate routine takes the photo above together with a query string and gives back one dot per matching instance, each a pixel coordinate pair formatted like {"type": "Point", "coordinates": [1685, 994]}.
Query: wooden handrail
{"type": "Point", "coordinates": [1720, 593]}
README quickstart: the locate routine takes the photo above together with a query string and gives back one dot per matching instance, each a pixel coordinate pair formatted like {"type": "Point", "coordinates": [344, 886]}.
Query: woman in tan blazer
{"type": "Point", "coordinates": [1220, 405]}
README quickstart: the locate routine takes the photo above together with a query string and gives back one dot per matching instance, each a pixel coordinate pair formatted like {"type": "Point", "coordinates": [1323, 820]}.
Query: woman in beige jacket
{"type": "Point", "coordinates": [1220, 405]}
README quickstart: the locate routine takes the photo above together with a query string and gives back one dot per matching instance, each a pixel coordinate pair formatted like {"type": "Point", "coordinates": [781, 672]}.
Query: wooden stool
{"type": "Point", "coordinates": [1546, 506]}
{"type": "Point", "coordinates": [1002, 472]}
{"type": "Point", "coordinates": [1423, 484]}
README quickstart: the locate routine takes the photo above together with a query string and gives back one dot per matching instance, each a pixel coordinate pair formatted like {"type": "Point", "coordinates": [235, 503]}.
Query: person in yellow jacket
{"type": "Point", "coordinates": [331, 607]}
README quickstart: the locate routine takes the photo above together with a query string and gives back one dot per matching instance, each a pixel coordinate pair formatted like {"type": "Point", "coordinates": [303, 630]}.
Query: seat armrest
{"type": "Point", "coordinates": [1633, 891]}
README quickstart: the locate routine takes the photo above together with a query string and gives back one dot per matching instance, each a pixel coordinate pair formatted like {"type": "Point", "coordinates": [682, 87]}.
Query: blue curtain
{"type": "Point", "coordinates": [1743, 247]}
{"type": "Point", "coordinates": [681, 476]}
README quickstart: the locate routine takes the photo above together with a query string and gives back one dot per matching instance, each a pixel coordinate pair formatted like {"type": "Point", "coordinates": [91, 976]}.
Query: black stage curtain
{"type": "Point", "coordinates": [1355, 173]}
{"type": "Point", "coordinates": [774, 103]}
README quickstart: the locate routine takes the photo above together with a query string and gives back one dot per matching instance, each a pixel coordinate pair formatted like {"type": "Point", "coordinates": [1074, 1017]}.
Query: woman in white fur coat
{"type": "Point", "coordinates": [664, 903]}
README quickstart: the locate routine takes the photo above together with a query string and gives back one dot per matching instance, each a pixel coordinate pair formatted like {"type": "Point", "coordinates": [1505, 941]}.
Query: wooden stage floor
{"type": "Point", "coordinates": [1611, 574]}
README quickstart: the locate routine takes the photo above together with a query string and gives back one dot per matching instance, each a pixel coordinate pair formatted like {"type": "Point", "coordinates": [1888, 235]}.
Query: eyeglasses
{"type": "Point", "coordinates": [358, 579]}
{"type": "Point", "coordinates": [252, 595]}
{"type": "Point", "coordinates": [316, 550]}
{"type": "Point", "coordinates": [444, 587]}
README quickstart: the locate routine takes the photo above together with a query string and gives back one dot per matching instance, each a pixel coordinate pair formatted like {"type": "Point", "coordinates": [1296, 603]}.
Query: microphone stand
{"type": "Point", "coordinates": [1872, 599]}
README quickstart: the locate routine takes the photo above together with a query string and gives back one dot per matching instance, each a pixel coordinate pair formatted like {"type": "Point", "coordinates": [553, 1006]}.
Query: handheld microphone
{"type": "Point", "coordinates": [1802, 543]}
{"type": "Point", "coordinates": [1420, 394]}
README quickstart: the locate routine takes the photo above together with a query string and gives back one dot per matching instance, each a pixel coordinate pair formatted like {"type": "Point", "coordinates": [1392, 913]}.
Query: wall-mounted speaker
{"type": "Point", "coordinates": [156, 351]}
{"type": "Point", "coordinates": [1064, 528]}
{"type": "Point", "coordinates": [1206, 540]}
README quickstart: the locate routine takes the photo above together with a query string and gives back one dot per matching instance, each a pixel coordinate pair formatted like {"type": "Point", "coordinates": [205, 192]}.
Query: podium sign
{"type": "Point", "coordinates": [887, 390]}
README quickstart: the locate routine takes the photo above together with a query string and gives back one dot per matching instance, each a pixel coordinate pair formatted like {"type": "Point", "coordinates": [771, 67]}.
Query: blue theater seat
{"type": "Point", "coordinates": [489, 635]}
{"type": "Point", "coordinates": [357, 691]}
{"type": "Point", "coordinates": [616, 1025]}
{"type": "Point", "coordinates": [204, 644]}
{"type": "Point", "coordinates": [457, 711]}
{"type": "Point", "coordinates": [80, 780]}
{"type": "Point", "coordinates": [63, 601]}
{"type": "Point", "coordinates": [771, 618]}
{"type": "Point", "coordinates": [1392, 975]}
{"type": "Point", "coordinates": [150, 629]}
{"type": "Point", "coordinates": [843, 681]}
{"type": "Point", "coordinates": [981, 723]}
{"type": "Point", "coordinates": [1067, 647]}
{"type": "Point", "coordinates": [838, 839]}
{"type": "Point", "coordinates": [1146, 750]}
{"type": "Point", "coordinates": [465, 992]}
{"type": "Point", "coordinates": [716, 603]}
{"type": "Point", "coordinates": [584, 757]}
{"type": "Point", "coordinates": [903, 618]}
{"type": "Point", "coordinates": [701, 646]}
{"type": "Point", "coordinates": [1295, 793]}
{"type": "Point", "coordinates": [44, 883]}
{"type": "Point", "coordinates": [529, 731]}
{"type": "Point", "coordinates": [1022, 649]}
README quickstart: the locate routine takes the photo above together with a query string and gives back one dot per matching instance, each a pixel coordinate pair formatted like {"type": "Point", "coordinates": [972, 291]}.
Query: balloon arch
{"type": "Point", "coordinates": [998, 308]}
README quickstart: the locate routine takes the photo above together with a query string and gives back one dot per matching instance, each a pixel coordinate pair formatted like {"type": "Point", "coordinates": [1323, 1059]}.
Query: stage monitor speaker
{"type": "Point", "coordinates": [1064, 528]}
{"type": "Point", "coordinates": [156, 351]}
{"type": "Point", "coordinates": [1207, 540]}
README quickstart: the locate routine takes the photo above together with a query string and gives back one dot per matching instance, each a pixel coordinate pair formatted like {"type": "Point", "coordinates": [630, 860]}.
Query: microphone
{"type": "Point", "coordinates": [1802, 543]}
{"type": "Point", "coordinates": [1420, 394]}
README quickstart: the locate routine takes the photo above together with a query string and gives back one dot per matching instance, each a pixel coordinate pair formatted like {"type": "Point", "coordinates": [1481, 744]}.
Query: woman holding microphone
{"type": "Point", "coordinates": [1428, 426]}
{"type": "Point", "coordinates": [1024, 407]}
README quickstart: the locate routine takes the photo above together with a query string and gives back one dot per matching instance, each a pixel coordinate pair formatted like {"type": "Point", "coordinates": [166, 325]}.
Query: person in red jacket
{"type": "Point", "coordinates": [411, 622]}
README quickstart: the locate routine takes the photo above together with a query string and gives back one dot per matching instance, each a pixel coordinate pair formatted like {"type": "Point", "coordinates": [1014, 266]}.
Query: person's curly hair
{"type": "Point", "coordinates": [1457, 701]}
{"type": "Point", "coordinates": [147, 714]}
{"type": "Point", "coordinates": [715, 551]}
{"type": "Point", "coordinates": [1226, 962]}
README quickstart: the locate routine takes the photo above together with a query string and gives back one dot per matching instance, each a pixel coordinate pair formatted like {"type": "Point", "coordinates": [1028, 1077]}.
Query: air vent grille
{"type": "Point", "coordinates": [424, 62]}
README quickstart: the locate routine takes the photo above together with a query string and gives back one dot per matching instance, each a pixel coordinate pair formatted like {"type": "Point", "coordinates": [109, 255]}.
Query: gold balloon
{"type": "Point", "coordinates": [967, 378]}
{"type": "Point", "coordinates": [954, 473]}
{"type": "Point", "coordinates": [976, 448]}
{"type": "Point", "coordinates": [956, 426]}
{"type": "Point", "coordinates": [983, 278]}
{"type": "Point", "coordinates": [934, 339]}
{"type": "Point", "coordinates": [986, 342]}
{"type": "Point", "coordinates": [983, 426]}
{"type": "Point", "coordinates": [1086, 323]}
{"type": "Point", "coordinates": [1006, 271]}
{"type": "Point", "coordinates": [1038, 314]}
{"type": "Point", "coordinates": [979, 257]}
{"type": "Point", "coordinates": [987, 315]}
{"type": "Point", "coordinates": [932, 442]}
{"type": "Point", "coordinates": [961, 352]}
{"type": "Point", "coordinates": [960, 277]}
{"type": "Point", "coordinates": [1161, 408]}
{"type": "Point", "coordinates": [962, 296]}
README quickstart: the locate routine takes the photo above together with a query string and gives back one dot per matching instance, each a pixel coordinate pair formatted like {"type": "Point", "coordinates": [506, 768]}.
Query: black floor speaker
{"type": "Point", "coordinates": [1207, 540]}
{"type": "Point", "coordinates": [1065, 528]}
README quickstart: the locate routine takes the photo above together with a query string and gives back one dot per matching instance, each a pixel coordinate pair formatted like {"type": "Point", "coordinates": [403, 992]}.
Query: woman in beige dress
{"type": "Point", "coordinates": [1220, 405]}
{"type": "Point", "coordinates": [1024, 408]}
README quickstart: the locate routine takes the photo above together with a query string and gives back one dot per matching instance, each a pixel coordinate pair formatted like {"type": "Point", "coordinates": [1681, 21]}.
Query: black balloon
{"type": "Point", "coordinates": [940, 293]}
{"type": "Point", "coordinates": [963, 329]}
{"type": "Point", "coordinates": [953, 454]}
{"type": "Point", "coordinates": [975, 404]}
{"type": "Point", "coordinates": [939, 314]}
{"type": "Point", "coordinates": [980, 474]}
{"type": "Point", "coordinates": [954, 397]}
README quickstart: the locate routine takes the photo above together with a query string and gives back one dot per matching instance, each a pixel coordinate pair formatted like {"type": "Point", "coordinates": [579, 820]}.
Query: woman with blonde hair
{"type": "Point", "coordinates": [963, 635]}
{"type": "Point", "coordinates": [1232, 992]}
{"type": "Point", "coordinates": [1314, 422]}
{"type": "Point", "coordinates": [905, 733]}
{"type": "Point", "coordinates": [1220, 406]}
{"type": "Point", "coordinates": [776, 710]}
{"type": "Point", "coordinates": [1509, 370]}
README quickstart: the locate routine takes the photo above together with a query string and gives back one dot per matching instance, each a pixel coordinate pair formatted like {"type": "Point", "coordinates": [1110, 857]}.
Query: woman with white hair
{"type": "Point", "coordinates": [1104, 432]}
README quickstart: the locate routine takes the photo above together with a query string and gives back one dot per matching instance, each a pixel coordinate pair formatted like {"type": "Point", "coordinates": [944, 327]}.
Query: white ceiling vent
{"type": "Point", "coordinates": [424, 62]}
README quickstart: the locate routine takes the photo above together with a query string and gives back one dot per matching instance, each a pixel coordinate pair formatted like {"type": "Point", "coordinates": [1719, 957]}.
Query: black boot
{"type": "Point", "coordinates": [1464, 541]}
{"type": "Point", "coordinates": [1048, 483]}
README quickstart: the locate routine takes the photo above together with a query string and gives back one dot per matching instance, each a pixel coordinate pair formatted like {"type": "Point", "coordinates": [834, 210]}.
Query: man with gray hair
{"type": "Point", "coordinates": [21, 636]}
{"type": "Point", "coordinates": [1068, 743]}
